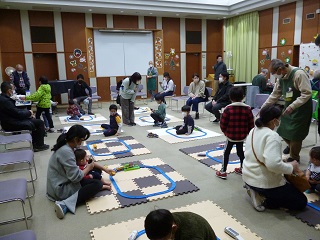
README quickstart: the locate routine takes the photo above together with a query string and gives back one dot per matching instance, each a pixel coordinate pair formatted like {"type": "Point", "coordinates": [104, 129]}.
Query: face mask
{"type": "Point", "coordinates": [276, 127]}
{"type": "Point", "coordinates": [150, 65]}
{"type": "Point", "coordinates": [277, 75]}
{"type": "Point", "coordinates": [184, 114]}
{"type": "Point", "coordinates": [19, 72]}
{"type": "Point", "coordinates": [220, 80]}
{"type": "Point", "coordinates": [112, 113]}
{"type": "Point", "coordinates": [138, 82]}
{"type": "Point", "coordinates": [196, 80]}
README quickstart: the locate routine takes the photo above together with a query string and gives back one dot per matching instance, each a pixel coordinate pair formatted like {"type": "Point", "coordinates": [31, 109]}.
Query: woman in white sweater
{"type": "Point", "coordinates": [196, 94]}
{"type": "Point", "coordinates": [263, 167]}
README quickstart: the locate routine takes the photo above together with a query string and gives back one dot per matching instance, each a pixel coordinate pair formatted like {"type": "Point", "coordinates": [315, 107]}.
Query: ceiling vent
{"type": "Point", "coordinates": [286, 21]}
{"type": "Point", "coordinates": [310, 16]}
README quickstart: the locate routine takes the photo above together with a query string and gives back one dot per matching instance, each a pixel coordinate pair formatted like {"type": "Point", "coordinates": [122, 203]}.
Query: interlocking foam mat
{"type": "Point", "coordinates": [169, 135]}
{"type": "Point", "coordinates": [216, 216]}
{"type": "Point", "coordinates": [214, 157]}
{"type": "Point", "coordinates": [155, 181]}
{"type": "Point", "coordinates": [112, 148]}
{"type": "Point", "coordinates": [94, 129]}
{"type": "Point", "coordinates": [86, 118]}
{"type": "Point", "coordinates": [311, 214]}
{"type": "Point", "coordinates": [141, 110]}
{"type": "Point", "coordinates": [146, 120]}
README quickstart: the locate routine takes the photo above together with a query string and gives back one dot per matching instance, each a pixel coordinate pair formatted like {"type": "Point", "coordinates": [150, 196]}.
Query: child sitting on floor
{"type": "Point", "coordinates": [73, 111]}
{"type": "Point", "coordinates": [188, 122]}
{"type": "Point", "coordinates": [160, 114]}
{"type": "Point", "coordinates": [313, 171]}
{"type": "Point", "coordinates": [114, 128]}
{"type": "Point", "coordinates": [236, 122]}
{"type": "Point", "coordinates": [95, 173]}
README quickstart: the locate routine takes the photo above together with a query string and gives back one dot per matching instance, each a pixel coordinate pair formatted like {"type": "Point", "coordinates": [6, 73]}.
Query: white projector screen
{"type": "Point", "coordinates": [122, 54]}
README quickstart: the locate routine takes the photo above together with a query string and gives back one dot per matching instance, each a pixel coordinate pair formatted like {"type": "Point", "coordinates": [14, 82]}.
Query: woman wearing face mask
{"type": "Point", "coordinates": [152, 75]}
{"type": "Point", "coordinates": [128, 91]}
{"type": "Point", "coordinates": [167, 85]}
{"type": "Point", "coordinates": [263, 167]}
{"type": "Point", "coordinates": [196, 93]}
{"type": "Point", "coordinates": [221, 98]}
{"type": "Point", "coordinates": [64, 176]}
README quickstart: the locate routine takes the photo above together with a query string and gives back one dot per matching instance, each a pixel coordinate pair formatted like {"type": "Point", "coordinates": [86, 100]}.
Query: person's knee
{"type": "Point", "coordinates": [208, 107]}
{"type": "Point", "coordinates": [301, 202]}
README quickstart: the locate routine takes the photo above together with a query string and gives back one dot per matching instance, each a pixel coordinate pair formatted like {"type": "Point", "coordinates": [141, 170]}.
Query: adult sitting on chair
{"type": "Point", "coordinates": [221, 98]}
{"type": "Point", "coordinates": [261, 81]}
{"type": "Point", "coordinates": [196, 94]}
{"type": "Point", "coordinates": [167, 85]}
{"type": "Point", "coordinates": [79, 94]}
{"type": "Point", "coordinates": [17, 119]}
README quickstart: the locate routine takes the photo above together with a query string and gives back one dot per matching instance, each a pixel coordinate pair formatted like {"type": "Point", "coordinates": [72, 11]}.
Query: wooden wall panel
{"type": "Point", "coordinates": [150, 22]}
{"type": "Point", "coordinates": [287, 30]}
{"type": "Point", "coordinates": [264, 60]}
{"type": "Point", "coordinates": [283, 53]}
{"type": "Point", "coordinates": [11, 59]}
{"type": "Point", "coordinates": [214, 36]}
{"type": "Point", "coordinates": [78, 68]}
{"type": "Point", "coordinates": [193, 24]}
{"type": "Point", "coordinates": [99, 20]}
{"type": "Point", "coordinates": [41, 19]}
{"type": "Point", "coordinates": [73, 26]}
{"type": "Point", "coordinates": [124, 21]}
{"type": "Point", "coordinates": [103, 88]}
{"type": "Point", "coordinates": [44, 47]}
{"type": "Point", "coordinates": [309, 27]}
{"type": "Point", "coordinates": [10, 31]}
{"type": "Point", "coordinates": [265, 28]}
{"type": "Point", "coordinates": [45, 65]}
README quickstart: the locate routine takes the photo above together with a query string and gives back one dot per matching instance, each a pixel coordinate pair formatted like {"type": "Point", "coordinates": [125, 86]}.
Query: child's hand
{"type": "Point", "coordinates": [111, 172]}
{"type": "Point", "coordinates": [180, 128]}
{"type": "Point", "coordinates": [312, 181]}
{"type": "Point", "coordinates": [117, 134]}
{"type": "Point", "coordinates": [90, 175]}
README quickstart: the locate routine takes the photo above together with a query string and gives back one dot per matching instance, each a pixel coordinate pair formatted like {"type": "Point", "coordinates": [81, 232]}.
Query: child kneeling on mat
{"type": "Point", "coordinates": [236, 123]}
{"type": "Point", "coordinates": [188, 122]}
{"type": "Point", "coordinates": [95, 173]}
{"type": "Point", "coordinates": [114, 128]}
{"type": "Point", "coordinates": [73, 111]}
{"type": "Point", "coordinates": [160, 114]}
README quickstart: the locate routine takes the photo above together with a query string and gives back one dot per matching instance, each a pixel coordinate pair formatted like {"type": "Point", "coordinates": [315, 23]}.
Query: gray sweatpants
{"type": "Point", "coordinates": [127, 110]}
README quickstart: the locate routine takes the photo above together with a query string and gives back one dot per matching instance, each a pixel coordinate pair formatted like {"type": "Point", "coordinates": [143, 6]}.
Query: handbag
{"type": "Point", "coordinates": [297, 180]}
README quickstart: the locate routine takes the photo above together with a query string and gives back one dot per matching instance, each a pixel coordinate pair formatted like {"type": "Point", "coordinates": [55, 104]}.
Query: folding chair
{"type": "Point", "coordinates": [173, 95]}
{"type": "Point", "coordinates": [184, 97]}
{"type": "Point", "coordinates": [18, 158]}
{"type": "Point", "coordinates": [139, 92]}
{"type": "Point", "coordinates": [9, 142]}
{"type": "Point", "coordinates": [204, 103]}
{"type": "Point", "coordinates": [95, 96]}
{"type": "Point", "coordinates": [23, 235]}
{"type": "Point", "coordinates": [113, 93]}
{"type": "Point", "coordinates": [15, 190]}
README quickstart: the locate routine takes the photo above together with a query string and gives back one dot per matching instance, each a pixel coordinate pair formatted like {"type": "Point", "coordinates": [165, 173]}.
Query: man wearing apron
{"type": "Point", "coordinates": [294, 87]}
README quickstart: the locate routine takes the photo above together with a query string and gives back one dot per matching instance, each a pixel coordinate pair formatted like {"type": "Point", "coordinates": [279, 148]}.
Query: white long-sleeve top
{"type": "Point", "coordinates": [167, 86]}
{"type": "Point", "coordinates": [267, 146]}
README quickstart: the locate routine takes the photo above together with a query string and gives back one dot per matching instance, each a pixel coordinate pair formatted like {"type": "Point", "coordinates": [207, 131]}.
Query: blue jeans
{"type": "Point", "coordinates": [170, 93]}
{"type": "Point", "coordinates": [195, 103]}
{"type": "Point", "coordinates": [108, 131]}
{"type": "Point", "coordinates": [45, 120]}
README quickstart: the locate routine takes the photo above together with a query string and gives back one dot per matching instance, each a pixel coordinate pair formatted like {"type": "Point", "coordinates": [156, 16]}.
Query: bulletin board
{"type": "Point", "coordinates": [122, 54]}
{"type": "Point", "coordinates": [309, 58]}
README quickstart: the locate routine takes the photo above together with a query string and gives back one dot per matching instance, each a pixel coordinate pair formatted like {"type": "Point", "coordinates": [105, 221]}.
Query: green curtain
{"type": "Point", "coordinates": [242, 39]}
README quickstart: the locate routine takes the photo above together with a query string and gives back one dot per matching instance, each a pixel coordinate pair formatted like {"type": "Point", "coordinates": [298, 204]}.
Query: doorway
{"type": "Point", "coordinates": [193, 65]}
{"type": "Point", "coordinates": [45, 64]}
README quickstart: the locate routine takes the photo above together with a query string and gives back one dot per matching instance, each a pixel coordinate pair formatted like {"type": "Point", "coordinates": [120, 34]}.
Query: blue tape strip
{"type": "Point", "coordinates": [313, 206]}
{"type": "Point", "coordinates": [217, 160]}
{"type": "Point", "coordinates": [108, 154]}
{"type": "Point", "coordinates": [173, 185]}
{"type": "Point", "coordinates": [143, 120]}
{"type": "Point", "coordinates": [185, 136]}
{"type": "Point", "coordinates": [71, 120]}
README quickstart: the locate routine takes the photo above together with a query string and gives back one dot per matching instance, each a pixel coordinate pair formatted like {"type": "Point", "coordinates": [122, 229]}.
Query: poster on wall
{"type": "Point", "coordinates": [309, 58]}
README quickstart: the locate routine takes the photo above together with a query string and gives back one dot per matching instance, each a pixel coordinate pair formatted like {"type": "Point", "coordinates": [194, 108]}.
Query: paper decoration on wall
{"type": "Point", "coordinates": [80, 66]}
{"type": "Point", "coordinates": [166, 55]}
{"type": "Point", "coordinates": [83, 59]}
{"type": "Point", "coordinates": [177, 64]}
{"type": "Point", "coordinates": [90, 55]}
{"type": "Point", "coordinates": [268, 56]}
{"type": "Point", "coordinates": [309, 58]}
{"type": "Point", "coordinates": [74, 71]}
{"type": "Point", "coordinates": [172, 64]}
{"type": "Point", "coordinates": [165, 63]}
{"type": "Point", "coordinates": [262, 62]}
{"type": "Point", "coordinates": [71, 56]}
{"type": "Point", "coordinates": [77, 52]}
{"type": "Point", "coordinates": [289, 51]}
{"type": "Point", "coordinates": [85, 69]}
{"type": "Point", "coordinates": [73, 63]}
{"type": "Point", "coordinates": [176, 57]}
{"type": "Point", "coordinates": [158, 52]}
{"type": "Point", "coordinates": [172, 51]}
{"type": "Point", "coordinates": [282, 54]}
{"type": "Point", "coordinates": [283, 41]}
{"type": "Point", "coordinates": [287, 59]}
{"type": "Point", "coordinates": [265, 52]}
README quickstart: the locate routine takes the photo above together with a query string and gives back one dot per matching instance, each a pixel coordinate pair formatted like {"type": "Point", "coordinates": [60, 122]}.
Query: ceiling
{"type": "Point", "coordinates": [206, 9]}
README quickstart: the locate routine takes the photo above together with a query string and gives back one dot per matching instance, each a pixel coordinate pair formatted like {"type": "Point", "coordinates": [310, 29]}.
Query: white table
{"type": "Point", "coordinates": [241, 84]}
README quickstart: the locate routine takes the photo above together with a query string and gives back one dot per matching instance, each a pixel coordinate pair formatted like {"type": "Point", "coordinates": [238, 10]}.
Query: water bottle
{"type": "Point", "coordinates": [27, 93]}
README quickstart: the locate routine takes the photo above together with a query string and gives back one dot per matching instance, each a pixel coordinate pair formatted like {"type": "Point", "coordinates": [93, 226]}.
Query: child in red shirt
{"type": "Point", "coordinates": [236, 122]}
{"type": "Point", "coordinates": [95, 173]}
{"type": "Point", "coordinates": [73, 111]}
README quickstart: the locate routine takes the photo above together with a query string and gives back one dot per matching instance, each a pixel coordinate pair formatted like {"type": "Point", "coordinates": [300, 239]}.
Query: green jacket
{"type": "Point", "coordinates": [42, 96]}
{"type": "Point", "coordinates": [161, 110]}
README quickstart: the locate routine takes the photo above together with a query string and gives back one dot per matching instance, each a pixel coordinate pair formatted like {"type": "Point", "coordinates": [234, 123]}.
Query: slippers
{"type": "Point", "coordinates": [152, 135]}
